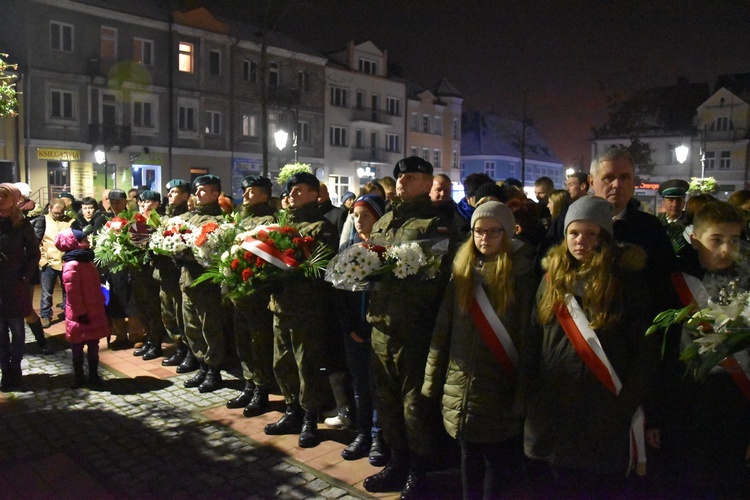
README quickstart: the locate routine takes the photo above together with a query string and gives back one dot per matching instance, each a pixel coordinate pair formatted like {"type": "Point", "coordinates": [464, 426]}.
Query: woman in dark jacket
{"type": "Point", "coordinates": [19, 257]}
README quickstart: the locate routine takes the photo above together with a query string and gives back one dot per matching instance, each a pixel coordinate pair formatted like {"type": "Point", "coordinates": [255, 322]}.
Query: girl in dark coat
{"type": "Point", "coordinates": [19, 257]}
{"type": "Point", "coordinates": [85, 317]}
{"type": "Point", "coordinates": [588, 362]}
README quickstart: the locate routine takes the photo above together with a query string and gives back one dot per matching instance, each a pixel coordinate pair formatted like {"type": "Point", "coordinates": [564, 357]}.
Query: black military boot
{"type": "Point", "coordinates": [153, 352]}
{"type": "Point", "coordinates": [416, 483]}
{"type": "Point", "coordinates": [198, 378]}
{"type": "Point", "coordinates": [80, 379]}
{"type": "Point", "coordinates": [5, 381]}
{"type": "Point", "coordinates": [309, 437]}
{"type": "Point", "coordinates": [378, 456]}
{"type": "Point", "coordinates": [213, 381]}
{"type": "Point", "coordinates": [189, 364]}
{"type": "Point", "coordinates": [244, 397]}
{"type": "Point", "coordinates": [358, 448]}
{"type": "Point", "coordinates": [258, 404]}
{"type": "Point", "coordinates": [143, 349]}
{"type": "Point", "coordinates": [289, 423]}
{"type": "Point", "coordinates": [177, 357]}
{"type": "Point", "coordinates": [95, 380]}
{"type": "Point", "coordinates": [392, 478]}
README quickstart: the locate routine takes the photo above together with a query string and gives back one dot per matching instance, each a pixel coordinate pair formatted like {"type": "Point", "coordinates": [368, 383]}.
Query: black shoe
{"type": "Point", "coordinates": [153, 352]}
{"type": "Point", "coordinates": [258, 404]}
{"type": "Point", "coordinates": [415, 486]}
{"type": "Point", "coordinates": [213, 381]}
{"type": "Point", "coordinates": [359, 448]}
{"type": "Point", "coordinates": [143, 349]}
{"type": "Point", "coordinates": [189, 364]}
{"type": "Point", "coordinates": [243, 398]}
{"type": "Point", "coordinates": [289, 423]}
{"type": "Point", "coordinates": [177, 357]}
{"type": "Point", "coordinates": [95, 380]}
{"type": "Point", "coordinates": [80, 380]}
{"type": "Point", "coordinates": [392, 478]}
{"type": "Point", "coordinates": [198, 378]}
{"type": "Point", "coordinates": [378, 456]}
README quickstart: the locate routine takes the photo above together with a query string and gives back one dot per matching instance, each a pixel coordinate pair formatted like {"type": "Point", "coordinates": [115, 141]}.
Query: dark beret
{"type": "Point", "coordinates": [207, 180]}
{"type": "Point", "coordinates": [674, 188]}
{"type": "Point", "coordinates": [412, 164]}
{"type": "Point", "coordinates": [303, 178]}
{"type": "Point", "coordinates": [491, 189]}
{"type": "Point", "coordinates": [68, 196]}
{"type": "Point", "coordinates": [117, 194]}
{"type": "Point", "coordinates": [512, 181]}
{"type": "Point", "coordinates": [179, 184]}
{"type": "Point", "coordinates": [256, 181]}
{"type": "Point", "coordinates": [150, 195]}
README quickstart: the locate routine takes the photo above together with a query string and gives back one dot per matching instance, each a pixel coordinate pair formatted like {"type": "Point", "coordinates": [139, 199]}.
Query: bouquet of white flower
{"type": "Point", "coordinates": [175, 238]}
{"type": "Point", "coordinates": [361, 267]}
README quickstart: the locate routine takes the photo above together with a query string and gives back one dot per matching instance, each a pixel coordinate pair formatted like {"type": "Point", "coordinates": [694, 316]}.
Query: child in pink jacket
{"type": "Point", "coordinates": [85, 317]}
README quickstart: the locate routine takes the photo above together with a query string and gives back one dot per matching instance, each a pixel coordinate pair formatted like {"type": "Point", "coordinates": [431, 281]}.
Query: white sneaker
{"type": "Point", "coordinates": [338, 421]}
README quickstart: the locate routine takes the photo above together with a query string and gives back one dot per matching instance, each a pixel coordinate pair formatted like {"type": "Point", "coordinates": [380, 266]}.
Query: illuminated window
{"type": "Point", "coordinates": [250, 125]}
{"type": "Point", "coordinates": [186, 57]}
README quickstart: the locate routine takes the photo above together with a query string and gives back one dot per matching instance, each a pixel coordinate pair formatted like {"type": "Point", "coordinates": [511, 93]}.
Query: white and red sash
{"type": "Point", "coordinates": [576, 327]}
{"type": "Point", "coordinates": [691, 291]}
{"type": "Point", "coordinates": [493, 332]}
{"type": "Point", "coordinates": [269, 254]}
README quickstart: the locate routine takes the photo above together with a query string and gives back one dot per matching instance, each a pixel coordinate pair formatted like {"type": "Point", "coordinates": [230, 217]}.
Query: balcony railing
{"type": "Point", "coordinates": [109, 136]}
{"type": "Point", "coordinates": [370, 115]}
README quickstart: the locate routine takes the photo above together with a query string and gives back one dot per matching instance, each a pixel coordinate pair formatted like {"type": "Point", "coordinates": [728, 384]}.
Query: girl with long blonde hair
{"type": "Point", "coordinates": [473, 362]}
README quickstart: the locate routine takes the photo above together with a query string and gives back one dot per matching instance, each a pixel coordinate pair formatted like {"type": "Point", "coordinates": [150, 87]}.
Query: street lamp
{"type": "Point", "coordinates": [100, 155]}
{"type": "Point", "coordinates": [681, 153]}
{"type": "Point", "coordinates": [281, 136]}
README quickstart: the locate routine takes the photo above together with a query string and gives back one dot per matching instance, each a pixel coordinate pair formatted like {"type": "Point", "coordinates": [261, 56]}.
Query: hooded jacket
{"type": "Point", "coordinates": [84, 295]}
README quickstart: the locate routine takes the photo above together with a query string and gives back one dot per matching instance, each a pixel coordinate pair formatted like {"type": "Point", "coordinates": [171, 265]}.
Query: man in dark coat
{"type": "Point", "coordinates": [335, 215]}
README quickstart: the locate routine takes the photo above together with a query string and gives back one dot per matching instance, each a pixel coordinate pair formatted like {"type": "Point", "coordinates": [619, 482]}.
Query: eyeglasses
{"type": "Point", "coordinates": [495, 232]}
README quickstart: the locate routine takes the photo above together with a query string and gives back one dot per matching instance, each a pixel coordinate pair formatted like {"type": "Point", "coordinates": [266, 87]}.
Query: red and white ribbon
{"type": "Point", "coordinates": [576, 327]}
{"type": "Point", "coordinates": [268, 253]}
{"type": "Point", "coordinates": [493, 332]}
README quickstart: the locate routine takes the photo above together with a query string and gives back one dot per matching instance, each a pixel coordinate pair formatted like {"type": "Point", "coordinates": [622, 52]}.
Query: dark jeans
{"type": "Point", "coordinates": [358, 359]}
{"type": "Point", "coordinates": [488, 468]}
{"type": "Point", "coordinates": [11, 347]}
{"type": "Point", "coordinates": [48, 279]}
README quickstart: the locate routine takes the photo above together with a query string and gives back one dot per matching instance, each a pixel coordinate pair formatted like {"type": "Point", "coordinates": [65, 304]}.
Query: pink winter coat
{"type": "Point", "coordinates": [84, 295]}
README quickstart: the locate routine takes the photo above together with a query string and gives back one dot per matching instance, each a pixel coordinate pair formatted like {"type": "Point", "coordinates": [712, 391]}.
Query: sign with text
{"type": "Point", "coordinates": [81, 179]}
{"type": "Point", "coordinates": [54, 154]}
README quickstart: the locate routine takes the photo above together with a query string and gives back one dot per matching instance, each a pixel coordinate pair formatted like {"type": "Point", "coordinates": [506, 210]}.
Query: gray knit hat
{"type": "Point", "coordinates": [592, 209]}
{"type": "Point", "coordinates": [495, 210]}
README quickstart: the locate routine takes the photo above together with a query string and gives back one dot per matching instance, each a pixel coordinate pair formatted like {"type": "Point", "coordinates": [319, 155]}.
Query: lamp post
{"type": "Point", "coordinates": [281, 136]}
{"type": "Point", "coordinates": [100, 155]}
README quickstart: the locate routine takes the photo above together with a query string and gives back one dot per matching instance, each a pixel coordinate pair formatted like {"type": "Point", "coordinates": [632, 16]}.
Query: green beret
{"type": "Point", "coordinates": [303, 178]}
{"type": "Point", "coordinates": [412, 164]}
{"type": "Point", "coordinates": [256, 181]}
{"type": "Point", "coordinates": [150, 195]}
{"type": "Point", "coordinates": [207, 180]}
{"type": "Point", "coordinates": [674, 188]}
{"type": "Point", "coordinates": [179, 184]}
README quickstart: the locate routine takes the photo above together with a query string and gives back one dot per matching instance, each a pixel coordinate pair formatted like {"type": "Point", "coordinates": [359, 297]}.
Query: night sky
{"type": "Point", "coordinates": [565, 57]}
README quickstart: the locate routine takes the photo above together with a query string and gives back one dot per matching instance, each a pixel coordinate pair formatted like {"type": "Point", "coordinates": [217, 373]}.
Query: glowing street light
{"type": "Point", "coordinates": [681, 153]}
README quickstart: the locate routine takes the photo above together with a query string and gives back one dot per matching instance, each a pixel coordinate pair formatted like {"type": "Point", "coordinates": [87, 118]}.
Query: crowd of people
{"type": "Point", "coordinates": [525, 354]}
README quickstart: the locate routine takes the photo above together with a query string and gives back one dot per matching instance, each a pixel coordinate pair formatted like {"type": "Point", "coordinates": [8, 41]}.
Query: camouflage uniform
{"type": "Point", "coordinates": [402, 315]}
{"type": "Point", "coordinates": [301, 323]}
{"type": "Point", "coordinates": [167, 273]}
{"type": "Point", "coordinates": [253, 322]}
{"type": "Point", "coordinates": [202, 310]}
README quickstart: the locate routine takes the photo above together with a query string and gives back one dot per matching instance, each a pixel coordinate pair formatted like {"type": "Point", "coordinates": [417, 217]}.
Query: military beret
{"type": "Point", "coordinates": [150, 195]}
{"type": "Point", "coordinates": [673, 188]}
{"type": "Point", "coordinates": [179, 184]}
{"type": "Point", "coordinates": [412, 164]}
{"type": "Point", "coordinates": [207, 180]}
{"type": "Point", "coordinates": [117, 194]}
{"type": "Point", "coordinates": [256, 181]}
{"type": "Point", "coordinates": [68, 196]}
{"type": "Point", "coordinates": [303, 178]}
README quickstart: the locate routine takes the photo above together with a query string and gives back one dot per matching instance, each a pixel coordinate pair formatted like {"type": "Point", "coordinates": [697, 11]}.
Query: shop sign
{"type": "Point", "coordinates": [54, 154]}
{"type": "Point", "coordinates": [147, 158]}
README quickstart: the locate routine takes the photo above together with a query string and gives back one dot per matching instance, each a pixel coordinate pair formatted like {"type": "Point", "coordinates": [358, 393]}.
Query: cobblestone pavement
{"type": "Point", "coordinates": [138, 437]}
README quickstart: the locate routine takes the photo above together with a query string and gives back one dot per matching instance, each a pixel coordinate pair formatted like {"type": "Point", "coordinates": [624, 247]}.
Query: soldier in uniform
{"type": "Point", "coordinates": [673, 193]}
{"type": "Point", "coordinates": [253, 321]}
{"type": "Point", "coordinates": [202, 310]}
{"type": "Point", "coordinates": [145, 286]}
{"type": "Point", "coordinates": [402, 319]}
{"type": "Point", "coordinates": [168, 275]}
{"type": "Point", "coordinates": [301, 323]}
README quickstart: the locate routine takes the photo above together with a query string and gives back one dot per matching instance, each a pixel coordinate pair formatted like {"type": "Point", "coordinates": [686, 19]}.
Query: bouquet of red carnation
{"type": "Point", "coordinates": [263, 255]}
{"type": "Point", "coordinates": [121, 244]}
